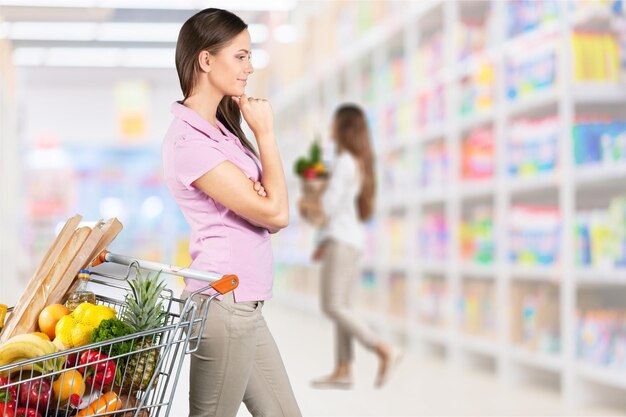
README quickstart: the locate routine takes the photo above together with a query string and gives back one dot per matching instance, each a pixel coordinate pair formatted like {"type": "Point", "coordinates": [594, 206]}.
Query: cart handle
{"type": "Point", "coordinates": [220, 283]}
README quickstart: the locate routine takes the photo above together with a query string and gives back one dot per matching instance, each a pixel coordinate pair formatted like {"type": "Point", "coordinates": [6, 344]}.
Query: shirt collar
{"type": "Point", "coordinates": [196, 121]}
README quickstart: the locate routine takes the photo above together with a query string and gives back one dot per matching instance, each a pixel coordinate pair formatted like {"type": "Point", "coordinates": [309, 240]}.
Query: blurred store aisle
{"type": "Point", "coordinates": [422, 387]}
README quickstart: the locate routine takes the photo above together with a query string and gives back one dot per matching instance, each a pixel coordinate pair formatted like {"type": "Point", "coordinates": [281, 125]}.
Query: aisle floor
{"type": "Point", "coordinates": [422, 386]}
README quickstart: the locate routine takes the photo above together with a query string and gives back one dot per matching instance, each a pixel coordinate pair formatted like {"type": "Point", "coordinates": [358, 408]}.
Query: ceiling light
{"type": "Point", "coordinates": [148, 58]}
{"type": "Point", "coordinates": [94, 57]}
{"type": "Point", "coordinates": [285, 33]}
{"type": "Point", "coordinates": [52, 31]}
{"type": "Point", "coordinates": [235, 5]}
{"type": "Point", "coordinates": [82, 57]}
{"type": "Point", "coordinates": [138, 32]}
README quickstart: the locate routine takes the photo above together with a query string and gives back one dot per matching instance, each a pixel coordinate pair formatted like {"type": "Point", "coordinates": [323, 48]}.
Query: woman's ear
{"type": "Point", "coordinates": [204, 60]}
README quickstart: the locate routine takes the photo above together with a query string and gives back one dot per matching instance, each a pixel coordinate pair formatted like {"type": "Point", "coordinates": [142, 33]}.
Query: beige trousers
{"type": "Point", "coordinates": [340, 272]}
{"type": "Point", "coordinates": [238, 360]}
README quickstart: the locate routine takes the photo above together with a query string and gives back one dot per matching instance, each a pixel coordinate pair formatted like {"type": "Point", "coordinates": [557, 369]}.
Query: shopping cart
{"type": "Point", "coordinates": [149, 393]}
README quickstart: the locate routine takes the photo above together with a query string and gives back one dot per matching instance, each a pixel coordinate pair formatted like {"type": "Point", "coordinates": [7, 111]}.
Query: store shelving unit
{"type": "Point", "coordinates": [378, 70]}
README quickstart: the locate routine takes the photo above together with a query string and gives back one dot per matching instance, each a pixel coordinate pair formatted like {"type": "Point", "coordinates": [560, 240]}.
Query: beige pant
{"type": "Point", "coordinates": [340, 272]}
{"type": "Point", "coordinates": [238, 360]}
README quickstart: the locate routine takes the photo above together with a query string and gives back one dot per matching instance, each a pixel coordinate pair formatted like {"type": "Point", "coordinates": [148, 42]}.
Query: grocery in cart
{"type": "Point", "coordinates": [121, 355]}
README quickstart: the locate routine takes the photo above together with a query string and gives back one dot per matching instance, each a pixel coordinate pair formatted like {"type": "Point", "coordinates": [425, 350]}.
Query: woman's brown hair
{"type": "Point", "coordinates": [352, 135]}
{"type": "Point", "coordinates": [209, 30]}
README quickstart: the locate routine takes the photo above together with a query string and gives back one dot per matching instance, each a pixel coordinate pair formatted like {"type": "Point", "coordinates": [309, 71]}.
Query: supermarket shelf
{"type": "Point", "coordinates": [472, 121]}
{"type": "Point", "coordinates": [473, 270]}
{"type": "Point", "coordinates": [479, 344]}
{"type": "Point", "coordinates": [433, 195]}
{"type": "Point", "coordinates": [471, 64]}
{"type": "Point", "coordinates": [591, 17]}
{"type": "Point", "coordinates": [600, 92]}
{"type": "Point", "coordinates": [590, 175]}
{"type": "Point", "coordinates": [434, 267]}
{"type": "Point", "coordinates": [532, 103]}
{"type": "Point", "coordinates": [535, 273]}
{"type": "Point", "coordinates": [548, 362]}
{"type": "Point", "coordinates": [543, 182]}
{"type": "Point", "coordinates": [579, 191]}
{"type": "Point", "coordinates": [596, 276]}
{"type": "Point", "coordinates": [603, 376]}
{"type": "Point", "coordinates": [478, 189]}
{"type": "Point", "coordinates": [432, 133]}
{"type": "Point", "coordinates": [522, 43]}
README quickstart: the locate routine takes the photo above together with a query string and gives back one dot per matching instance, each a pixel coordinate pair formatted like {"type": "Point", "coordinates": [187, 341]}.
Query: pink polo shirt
{"type": "Point", "coordinates": [221, 241]}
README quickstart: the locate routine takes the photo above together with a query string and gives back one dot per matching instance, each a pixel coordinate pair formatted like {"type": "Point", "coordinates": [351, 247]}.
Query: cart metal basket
{"type": "Point", "coordinates": [145, 393]}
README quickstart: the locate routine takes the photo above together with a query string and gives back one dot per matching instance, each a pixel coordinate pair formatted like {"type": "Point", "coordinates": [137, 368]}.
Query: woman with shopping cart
{"type": "Point", "coordinates": [214, 173]}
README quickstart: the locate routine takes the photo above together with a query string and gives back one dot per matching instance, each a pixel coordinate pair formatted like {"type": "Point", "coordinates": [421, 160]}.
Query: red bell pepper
{"type": "Point", "coordinates": [5, 411]}
{"type": "Point", "coordinates": [8, 396]}
{"type": "Point", "coordinates": [27, 412]}
{"type": "Point", "coordinates": [100, 374]}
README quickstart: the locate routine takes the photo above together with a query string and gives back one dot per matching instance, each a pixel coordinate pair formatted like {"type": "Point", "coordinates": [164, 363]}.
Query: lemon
{"type": "Point", "coordinates": [82, 308]}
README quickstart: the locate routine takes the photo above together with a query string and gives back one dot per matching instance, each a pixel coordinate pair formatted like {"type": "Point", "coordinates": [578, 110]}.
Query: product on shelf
{"type": "Point", "coordinates": [535, 317]}
{"type": "Point", "coordinates": [396, 171]}
{"type": "Point", "coordinates": [532, 146]}
{"type": "Point", "coordinates": [368, 292]}
{"type": "Point", "coordinates": [599, 139]}
{"type": "Point", "coordinates": [477, 236]}
{"type": "Point", "coordinates": [433, 237]}
{"type": "Point", "coordinates": [477, 156]}
{"type": "Point", "coordinates": [429, 58]}
{"type": "Point", "coordinates": [596, 57]}
{"type": "Point", "coordinates": [600, 236]}
{"type": "Point", "coordinates": [397, 294]}
{"type": "Point", "coordinates": [534, 235]}
{"type": "Point", "coordinates": [476, 308]}
{"type": "Point", "coordinates": [477, 91]}
{"type": "Point", "coordinates": [397, 237]}
{"type": "Point", "coordinates": [601, 337]}
{"type": "Point", "coordinates": [526, 15]}
{"type": "Point", "coordinates": [472, 37]}
{"type": "Point", "coordinates": [430, 106]}
{"type": "Point", "coordinates": [527, 74]}
{"type": "Point", "coordinates": [388, 121]}
{"type": "Point", "coordinates": [434, 170]}
{"type": "Point", "coordinates": [432, 301]}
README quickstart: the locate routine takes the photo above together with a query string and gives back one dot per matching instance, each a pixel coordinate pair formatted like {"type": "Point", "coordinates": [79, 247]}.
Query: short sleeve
{"type": "Point", "coordinates": [194, 157]}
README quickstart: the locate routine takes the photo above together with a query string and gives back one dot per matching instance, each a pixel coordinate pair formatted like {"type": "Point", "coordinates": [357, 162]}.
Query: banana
{"type": "Point", "coordinates": [12, 352]}
{"type": "Point", "coordinates": [28, 346]}
{"type": "Point", "coordinates": [45, 345]}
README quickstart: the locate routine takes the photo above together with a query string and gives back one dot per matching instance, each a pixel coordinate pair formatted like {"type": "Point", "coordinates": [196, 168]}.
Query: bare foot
{"type": "Point", "coordinates": [389, 357]}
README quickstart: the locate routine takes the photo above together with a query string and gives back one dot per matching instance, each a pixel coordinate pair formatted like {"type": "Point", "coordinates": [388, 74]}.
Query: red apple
{"type": "Point", "coordinates": [36, 394]}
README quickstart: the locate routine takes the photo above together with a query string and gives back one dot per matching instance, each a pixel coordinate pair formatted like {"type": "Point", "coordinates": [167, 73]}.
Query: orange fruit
{"type": "Point", "coordinates": [49, 317]}
{"type": "Point", "coordinates": [67, 384]}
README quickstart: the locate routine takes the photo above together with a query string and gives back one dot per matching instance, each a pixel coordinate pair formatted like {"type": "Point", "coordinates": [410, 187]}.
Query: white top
{"type": "Point", "coordinates": [339, 203]}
